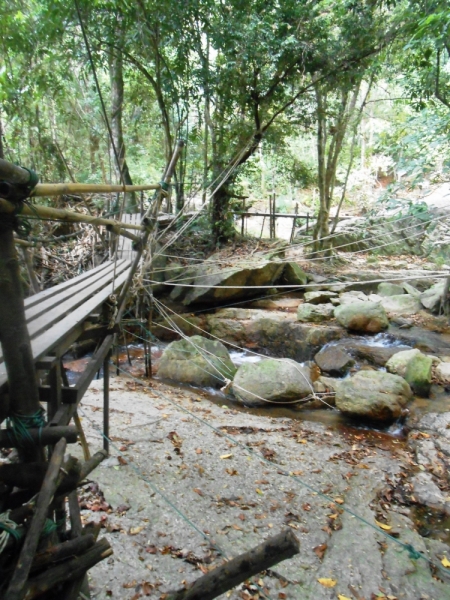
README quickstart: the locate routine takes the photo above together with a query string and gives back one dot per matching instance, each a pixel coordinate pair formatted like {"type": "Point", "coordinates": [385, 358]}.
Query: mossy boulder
{"type": "Point", "coordinates": [431, 298]}
{"type": "Point", "coordinates": [389, 289]}
{"type": "Point", "coordinates": [401, 304]}
{"type": "Point", "coordinates": [414, 367]}
{"type": "Point", "coordinates": [399, 361]}
{"type": "Point", "coordinates": [293, 274]}
{"type": "Point", "coordinates": [320, 297]}
{"type": "Point", "coordinates": [418, 374]}
{"type": "Point", "coordinates": [373, 395]}
{"type": "Point", "coordinates": [197, 361]}
{"type": "Point", "coordinates": [217, 284]}
{"type": "Point", "coordinates": [271, 381]}
{"type": "Point", "coordinates": [364, 317]}
{"type": "Point", "coordinates": [314, 313]}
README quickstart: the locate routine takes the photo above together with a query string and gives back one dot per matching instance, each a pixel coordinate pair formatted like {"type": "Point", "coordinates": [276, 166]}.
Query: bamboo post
{"type": "Point", "coordinates": [20, 575]}
{"type": "Point", "coordinates": [243, 217]}
{"type": "Point", "coordinates": [152, 212]}
{"type": "Point", "coordinates": [106, 402]}
{"type": "Point", "coordinates": [291, 239]}
{"type": "Point", "coordinates": [14, 336]}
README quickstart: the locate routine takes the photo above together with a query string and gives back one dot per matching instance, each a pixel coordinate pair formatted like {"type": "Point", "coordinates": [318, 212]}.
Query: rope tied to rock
{"type": "Point", "coordinates": [17, 427]}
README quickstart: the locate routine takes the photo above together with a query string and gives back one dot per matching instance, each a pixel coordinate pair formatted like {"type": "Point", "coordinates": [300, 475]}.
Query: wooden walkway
{"type": "Point", "coordinates": [124, 245]}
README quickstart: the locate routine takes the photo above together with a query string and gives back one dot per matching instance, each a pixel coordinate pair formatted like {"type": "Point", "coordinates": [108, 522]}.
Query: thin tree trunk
{"type": "Point", "coordinates": [117, 87]}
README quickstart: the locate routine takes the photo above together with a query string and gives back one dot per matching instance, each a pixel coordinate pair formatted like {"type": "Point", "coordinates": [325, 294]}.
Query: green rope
{"type": "Point", "coordinates": [49, 527]}
{"type": "Point", "coordinates": [17, 427]}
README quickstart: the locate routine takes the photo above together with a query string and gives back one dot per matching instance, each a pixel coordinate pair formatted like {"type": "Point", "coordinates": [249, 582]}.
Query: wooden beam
{"type": "Point", "coordinates": [236, 571]}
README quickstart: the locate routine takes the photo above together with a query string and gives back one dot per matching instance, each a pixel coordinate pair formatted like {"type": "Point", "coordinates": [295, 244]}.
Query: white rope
{"type": "Point", "coordinates": [313, 396]}
{"type": "Point", "coordinates": [306, 285]}
{"type": "Point", "coordinates": [4, 535]}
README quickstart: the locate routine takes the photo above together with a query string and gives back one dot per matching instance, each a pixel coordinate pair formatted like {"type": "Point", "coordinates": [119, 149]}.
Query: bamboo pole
{"type": "Point", "coordinates": [57, 189]}
{"type": "Point", "coordinates": [14, 336]}
{"type": "Point", "coordinates": [59, 214]}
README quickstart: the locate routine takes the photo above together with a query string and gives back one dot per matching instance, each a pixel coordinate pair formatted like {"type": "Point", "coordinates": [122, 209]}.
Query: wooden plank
{"type": "Point", "coordinates": [36, 298]}
{"type": "Point", "coordinates": [47, 304]}
{"type": "Point", "coordinates": [49, 339]}
{"type": "Point", "coordinates": [54, 314]}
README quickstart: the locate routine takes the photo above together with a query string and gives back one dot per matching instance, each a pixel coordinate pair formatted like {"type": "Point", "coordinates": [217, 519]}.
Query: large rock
{"type": "Point", "coordinates": [413, 366]}
{"type": "Point", "coordinates": [271, 381]}
{"type": "Point", "coordinates": [373, 395]}
{"type": "Point", "coordinates": [276, 332]}
{"type": "Point", "coordinates": [443, 371]}
{"type": "Point", "coordinates": [418, 374]}
{"type": "Point", "coordinates": [431, 298]}
{"type": "Point", "coordinates": [293, 274]}
{"type": "Point", "coordinates": [333, 360]}
{"type": "Point", "coordinates": [197, 361]}
{"type": "Point", "coordinates": [315, 313]}
{"type": "Point", "coordinates": [401, 305]}
{"type": "Point", "coordinates": [352, 296]}
{"type": "Point", "coordinates": [389, 289]}
{"type": "Point", "coordinates": [367, 317]}
{"type": "Point", "coordinates": [243, 281]}
{"type": "Point", "coordinates": [411, 290]}
{"type": "Point", "coordinates": [399, 361]}
{"type": "Point", "coordinates": [427, 493]}
{"type": "Point", "coordinates": [319, 297]}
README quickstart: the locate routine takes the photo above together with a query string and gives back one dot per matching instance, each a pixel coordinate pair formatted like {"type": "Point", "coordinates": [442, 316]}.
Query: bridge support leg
{"type": "Point", "coordinates": [106, 402]}
{"type": "Point", "coordinates": [15, 340]}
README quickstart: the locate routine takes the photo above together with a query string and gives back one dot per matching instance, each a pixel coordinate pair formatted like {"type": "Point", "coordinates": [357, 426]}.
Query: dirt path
{"type": "Point", "coordinates": [217, 492]}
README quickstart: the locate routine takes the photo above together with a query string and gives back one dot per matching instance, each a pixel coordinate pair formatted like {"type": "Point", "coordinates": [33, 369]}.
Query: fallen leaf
{"type": "Point", "coordinates": [320, 550]}
{"type": "Point", "coordinates": [237, 527]}
{"type": "Point", "coordinates": [383, 525]}
{"type": "Point", "coordinates": [242, 517]}
{"type": "Point", "coordinates": [339, 501]}
{"type": "Point", "coordinates": [260, 492]}
{"type": "Point", "coordinates": [306, 506]}
{"type": "Point", "coordinates": [296, 473]}
{"type": "Point", "coordinates": [199, 451]}
{"type": "Point", "coordinates": [231, 471]}
{"type": "Point", "coordinates": [341, 597]}
{"type": "Point", "coordinates": [136, 530]}
{"type": "Point", "coordinates": [445, 562]}
{"type": "Point", "coordinates": [198, 491]}
{"type": "Point", "coordinates": [326, 582]}
{"type": "Point", "coordinates": [130, 585]}
{"type": "Point", "coordinates": [224, 456]}
{"type": "Point", "coordinates": [122, 460]}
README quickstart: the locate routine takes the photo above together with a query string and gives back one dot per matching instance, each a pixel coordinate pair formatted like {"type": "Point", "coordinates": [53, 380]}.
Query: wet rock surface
{"type": "Point", "coordinates": [197, 361]}
{"type": "Point", "coordinates": [240, 489]}
{"type": "Point", "coordinates": [334, 361]}
{"type": "Point", "coordinates": [367, 317]}
{"type": "Point", "coordinates": [315, 313]}
{"type": "Point", "coordinates": [373, 395]}
{"type": "Point", "coordinates": [271, 380]}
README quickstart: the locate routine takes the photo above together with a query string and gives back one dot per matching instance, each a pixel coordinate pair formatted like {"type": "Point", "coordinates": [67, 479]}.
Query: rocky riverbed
{"type": "Point", "coordinates": [198, 473]}
{"type": "Point", "coordinates": [187, 477]}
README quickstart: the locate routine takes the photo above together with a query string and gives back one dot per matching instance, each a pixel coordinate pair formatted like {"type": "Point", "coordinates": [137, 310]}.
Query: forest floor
{"type": "Point", "coordinates": [190, 481]}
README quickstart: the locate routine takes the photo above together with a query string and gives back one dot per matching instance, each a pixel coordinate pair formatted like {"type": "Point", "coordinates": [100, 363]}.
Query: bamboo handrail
{"type": "Point", "coordinates": [59, 214]}
{"type": "Point", "coordinates": [56, 189]}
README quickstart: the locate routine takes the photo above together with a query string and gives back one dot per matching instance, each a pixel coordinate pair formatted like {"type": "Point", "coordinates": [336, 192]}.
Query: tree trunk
{"type": "Point", "coordinates": [116, 79]}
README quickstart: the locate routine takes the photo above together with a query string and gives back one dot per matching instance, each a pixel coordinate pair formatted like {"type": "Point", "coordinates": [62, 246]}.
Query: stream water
{"type": "Point", "coordinates": [430, 523]}
{"type": "Point", "coordinates": [132, 360]}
